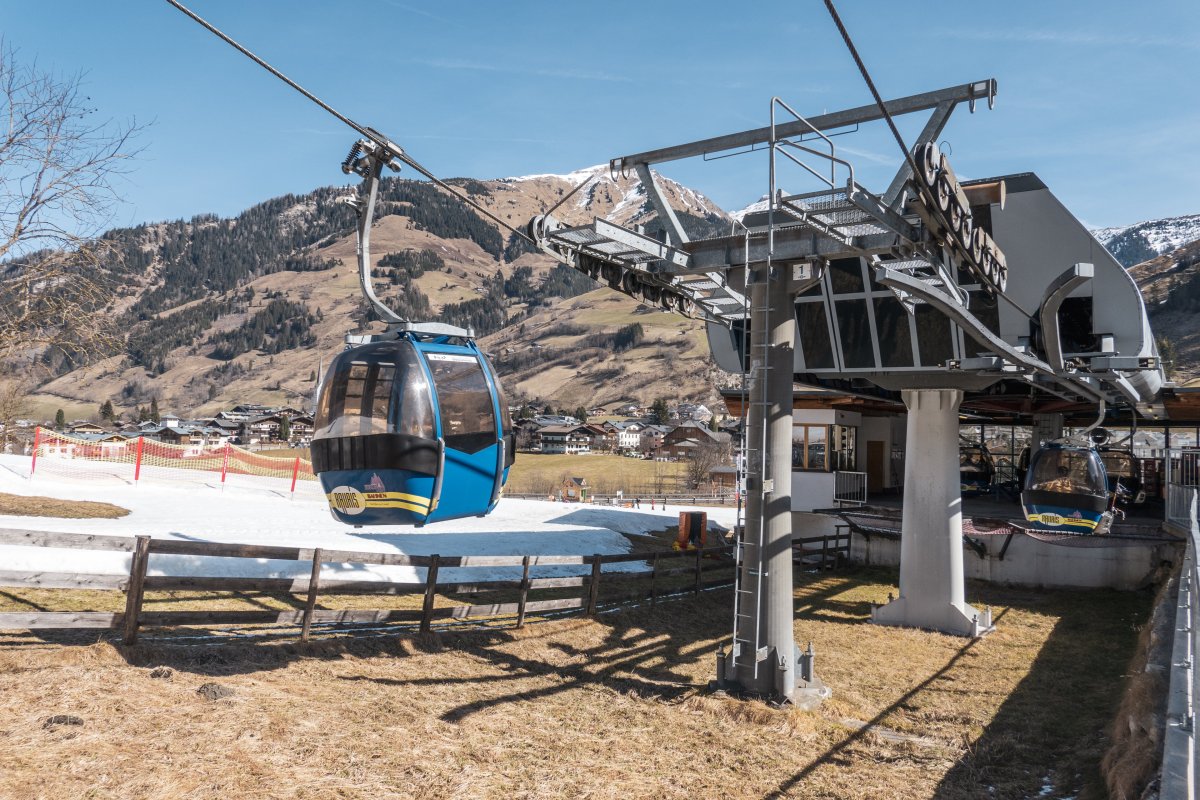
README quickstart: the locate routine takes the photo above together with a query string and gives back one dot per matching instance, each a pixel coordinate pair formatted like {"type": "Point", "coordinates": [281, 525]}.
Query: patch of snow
{"type": "Point", "coordinates": [1162, 235]}
{"type": "Point", "coordinates": [758, 205]}
{"type": "Point", "coordinates": [260, 511]}
{"type": "Point", "coordinates": [573, 178]}
{"type": "Point", "coordinates": [635, 197]}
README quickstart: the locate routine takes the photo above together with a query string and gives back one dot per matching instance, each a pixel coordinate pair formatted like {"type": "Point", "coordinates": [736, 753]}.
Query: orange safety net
{"type": "Point", "coordinates": [138, 457]}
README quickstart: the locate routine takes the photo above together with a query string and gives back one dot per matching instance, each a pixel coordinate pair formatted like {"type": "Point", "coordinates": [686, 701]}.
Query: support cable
{"type": "Point", "coordinates": [862, 68]}
{"type": "Point", "coordinates": [395, 150]}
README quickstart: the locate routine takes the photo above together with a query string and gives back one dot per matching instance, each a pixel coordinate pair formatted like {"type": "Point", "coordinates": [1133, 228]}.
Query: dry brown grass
{"type": "Point", "coordinates": [539, 473]}
{"type": "Point", "coordinates": [609, 708]}
{"type": "Point", "coordinates": [22, 506]}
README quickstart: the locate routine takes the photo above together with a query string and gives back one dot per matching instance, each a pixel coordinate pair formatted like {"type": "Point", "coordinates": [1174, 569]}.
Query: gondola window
{"type": "Point", "coordinates": [468, 418]}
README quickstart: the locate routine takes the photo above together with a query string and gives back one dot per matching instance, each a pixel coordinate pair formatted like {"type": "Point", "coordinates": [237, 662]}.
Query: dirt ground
{"type": "Point", "coordinates": [614, 707]}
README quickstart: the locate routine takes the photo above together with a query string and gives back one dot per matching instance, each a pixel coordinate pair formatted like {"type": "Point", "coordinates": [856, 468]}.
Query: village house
{"type": "Point", "coordinates": [604, 440]}
{"type": "Point", "coordinates": [684, 439]}
{"type": "Point", "coordinates": [565, 439]}
{"type": "Point", "coordinates": [651, 437]}
{"type": "Point", "coordinates": [573, 490]}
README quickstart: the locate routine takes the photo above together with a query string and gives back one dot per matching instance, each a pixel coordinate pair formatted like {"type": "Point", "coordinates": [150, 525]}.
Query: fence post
{"type": "Point", "coordinates": [824, 551]}
{"type": "Point", "coordinates": [310, 603]}
{"type": "Point", "coordinates": [594, 586]}
{"type": "Point", "coordinates": [224, 466]}
{"type": "Point", "coordinates": [524, 592]}
{"type": "Point", "coordinates": [136, 588]}
{"type": "Point", "coordinates": [653, 579]}
{"type": "Point", "coordinates": [430, 587]}
{"type": "Point", "coordinates": [699, 555]}
{"type": "Point", "coordinates": [37, 440]}
{"type": "Point", "coordinates": [137, 464]}
{"type": "Point", "coordinates": [295, 474]}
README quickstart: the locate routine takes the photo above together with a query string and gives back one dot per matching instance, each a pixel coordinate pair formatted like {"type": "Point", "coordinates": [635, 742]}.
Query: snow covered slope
{"type": "Point", "coordinates": [259, 511]}
{"type": "Point", "coordinates": [1143, 241]}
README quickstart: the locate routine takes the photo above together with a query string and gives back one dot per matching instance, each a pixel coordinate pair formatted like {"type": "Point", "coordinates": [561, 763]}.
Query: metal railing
{"type": "Point", "coordinates": [850, 488]}
{"type": "Point", "coordinates": [1181, 477]}
{"type": "Point", "coordinates": [1180, 758]}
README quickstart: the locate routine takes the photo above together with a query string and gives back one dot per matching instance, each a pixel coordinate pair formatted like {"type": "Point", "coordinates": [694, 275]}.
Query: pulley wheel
{"type": "Point", "coordinates": [943, 192]}
{"type": "Point", "coordinates": [976, 247]}
{"type": "Point", "coordinates": [928, 162]}
{"type": "Point", "coordinates": [954, 215]}
{"type": "Point", "coordinates": [629, 282]}
{"type": "Point", "coordinates": [966, 227]}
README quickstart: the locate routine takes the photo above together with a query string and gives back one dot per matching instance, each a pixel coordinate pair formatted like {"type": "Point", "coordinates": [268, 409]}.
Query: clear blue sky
{"type": "Point", "coordinates": [1101, 99]}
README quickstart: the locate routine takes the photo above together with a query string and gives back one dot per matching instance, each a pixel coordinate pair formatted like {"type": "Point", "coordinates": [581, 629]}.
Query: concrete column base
{"type": "Point", "coordinates": [954, 619]}
{"type": "Point", "coordinates": [807, 693]}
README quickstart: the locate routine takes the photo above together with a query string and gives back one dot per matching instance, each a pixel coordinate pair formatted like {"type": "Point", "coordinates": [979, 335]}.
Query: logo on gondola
{"type": "Point", "coordinates": [1052, 519]}
{"type": "Point", "coordinates": [375, 484]}
{"type": "Point", "coordinates": [450, 357]}
{"type": "Point", "coordinates": [347, 500]}
{"type": "Point", "coordinates": [1077, 515]}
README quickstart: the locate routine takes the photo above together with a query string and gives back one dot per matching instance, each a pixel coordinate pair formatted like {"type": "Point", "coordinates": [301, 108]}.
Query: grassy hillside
{"type": "Point", "coordinates": [536, 473]}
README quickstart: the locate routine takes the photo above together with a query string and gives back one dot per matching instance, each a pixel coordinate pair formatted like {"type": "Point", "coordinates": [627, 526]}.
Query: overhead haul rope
{"type": "Point", "coordinates": [912, 165]}
{"type": "Point", "coordinates": [390, 147]}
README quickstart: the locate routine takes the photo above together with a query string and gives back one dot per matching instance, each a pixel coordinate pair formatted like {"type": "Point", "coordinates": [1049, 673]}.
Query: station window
{"type": "Point", "coordinates": [808, 447]}
{"type": "Point", "coordinates": [824, 448]}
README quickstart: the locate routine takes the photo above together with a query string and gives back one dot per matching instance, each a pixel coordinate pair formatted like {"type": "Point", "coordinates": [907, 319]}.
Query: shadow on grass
{"type": "Point", "coordinates": [1048, 734]}
{"type": "Point", "coordinates": [611, 664]}
{"type": "Point", "coordinates": [834, 754]}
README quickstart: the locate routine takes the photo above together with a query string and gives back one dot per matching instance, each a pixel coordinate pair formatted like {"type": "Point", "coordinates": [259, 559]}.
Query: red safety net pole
{"type": "Point", "coordinates": [37, 440]}
{"type": "Point", "coordinates": [137, 465]}
{"type": "Point", "coordinates": [224, 466]}
{"type": "Point", "coordinates": [295, 474]}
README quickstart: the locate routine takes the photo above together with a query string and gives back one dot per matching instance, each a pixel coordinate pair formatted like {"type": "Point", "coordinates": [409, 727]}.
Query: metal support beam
{"type": "Point", "coordinates": [1056, 293]}
{"type": "Point", "coordinates": [933, 129]}
{"type": "Point", "coordinates": [642, 244]}
{"type": "Point", "coordinates": [665, 213]}
{"type": "Point", "coordinates": [967, 92]}
{"type": "Point", "coordinates": [976, 330]}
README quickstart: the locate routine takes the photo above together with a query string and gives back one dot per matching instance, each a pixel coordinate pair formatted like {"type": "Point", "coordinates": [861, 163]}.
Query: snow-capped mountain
{"type": "Point", "coordinates": [758, 205]}
{"type": "Point", "coordinates": [1133, 244]}
{"type": "Point", "coordinates": [620, 200]}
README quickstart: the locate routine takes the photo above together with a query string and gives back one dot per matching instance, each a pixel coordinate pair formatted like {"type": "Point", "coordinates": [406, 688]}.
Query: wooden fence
{"type": "Point", "coordinates": [137, 582]}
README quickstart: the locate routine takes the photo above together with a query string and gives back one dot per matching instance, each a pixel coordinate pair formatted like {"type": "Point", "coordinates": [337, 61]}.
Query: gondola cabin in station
{"type": "Point", "coordinates": [976, 470]}
{"type": "Point", "coordinates": [1066, 490]}
{"type": "Point", "coordinates": [411, 431]}
{"type": "Point", "coordinates": [1124, 476]}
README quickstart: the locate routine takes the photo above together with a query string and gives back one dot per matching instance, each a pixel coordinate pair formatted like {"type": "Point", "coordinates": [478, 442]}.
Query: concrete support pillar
{"type": "Point", "coordinates": [931, 550]}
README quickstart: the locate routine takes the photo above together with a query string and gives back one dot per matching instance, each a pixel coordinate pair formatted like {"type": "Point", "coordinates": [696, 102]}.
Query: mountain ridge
{"type": "Point", "coordinates": [249, 308]}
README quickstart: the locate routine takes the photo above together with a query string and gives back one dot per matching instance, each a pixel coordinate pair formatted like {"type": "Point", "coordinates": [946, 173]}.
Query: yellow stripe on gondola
{"type": "Point", "coordinates": [396, 504]}
{"type": "Point", "coordinates": [1058, 519]}
{"type": "Point", "coordinates": [389, 500]}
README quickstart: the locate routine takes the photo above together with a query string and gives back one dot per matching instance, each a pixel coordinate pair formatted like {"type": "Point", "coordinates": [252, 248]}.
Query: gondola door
{"type": "Point", "coordinates": [469, 424]}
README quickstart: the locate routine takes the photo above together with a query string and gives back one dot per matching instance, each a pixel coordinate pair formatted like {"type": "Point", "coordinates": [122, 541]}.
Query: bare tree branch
{"type": "Point", "coordinates": [57, 167]}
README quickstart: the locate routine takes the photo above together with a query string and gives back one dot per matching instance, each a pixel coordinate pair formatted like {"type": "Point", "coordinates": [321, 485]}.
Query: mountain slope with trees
{"type": "Point", "coordinates": [249, 308]}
